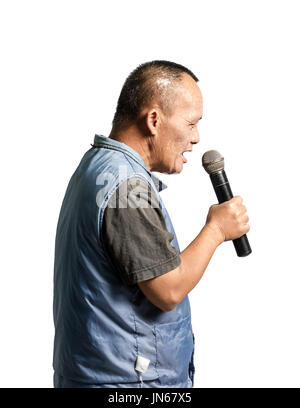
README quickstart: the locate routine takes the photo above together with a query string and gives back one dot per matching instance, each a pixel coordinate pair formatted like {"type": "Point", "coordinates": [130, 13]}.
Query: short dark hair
{"type": "Point", "coordinates": [154, 79]}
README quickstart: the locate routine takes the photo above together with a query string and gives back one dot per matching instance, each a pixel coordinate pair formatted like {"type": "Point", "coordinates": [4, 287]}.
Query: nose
{"type": "Point", "coordinates": [196, 137]}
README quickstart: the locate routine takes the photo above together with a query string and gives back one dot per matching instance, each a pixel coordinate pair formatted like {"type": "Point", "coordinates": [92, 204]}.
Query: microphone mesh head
{"type": "Point", "coordinates": [213, 161]}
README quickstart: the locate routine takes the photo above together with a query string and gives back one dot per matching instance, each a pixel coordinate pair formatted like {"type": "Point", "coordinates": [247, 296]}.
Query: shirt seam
{"type": "Point", "coordinates": [141, 277]}
{"type": "Point", "coordinates": [154, 266]}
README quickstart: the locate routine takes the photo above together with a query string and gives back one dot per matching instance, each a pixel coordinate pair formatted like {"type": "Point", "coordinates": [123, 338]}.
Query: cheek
{"type": "Point", "coordinates": [180, 143]}
{"type": "Point", "coordinates": [173, 142]}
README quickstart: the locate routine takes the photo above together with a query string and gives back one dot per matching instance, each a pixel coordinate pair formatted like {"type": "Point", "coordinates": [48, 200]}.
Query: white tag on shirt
{"type": "Point", "coordinates": [142, 364]}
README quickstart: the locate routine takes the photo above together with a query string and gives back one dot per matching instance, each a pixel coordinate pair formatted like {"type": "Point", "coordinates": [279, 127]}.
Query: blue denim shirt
{"type": "Point", "coordinates": [102, 326]}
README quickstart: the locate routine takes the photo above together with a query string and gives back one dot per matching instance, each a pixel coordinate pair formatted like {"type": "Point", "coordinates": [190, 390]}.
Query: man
{"type": "Point", "coordinates": [121, 309]}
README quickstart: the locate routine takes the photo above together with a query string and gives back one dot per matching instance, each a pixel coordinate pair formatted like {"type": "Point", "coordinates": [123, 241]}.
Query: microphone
{"type": "Point", "coordinates": [213, 163]}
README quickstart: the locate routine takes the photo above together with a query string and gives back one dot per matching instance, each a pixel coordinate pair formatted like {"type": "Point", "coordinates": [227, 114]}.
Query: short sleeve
{"type": "Point", "coordinates": [135, 234]}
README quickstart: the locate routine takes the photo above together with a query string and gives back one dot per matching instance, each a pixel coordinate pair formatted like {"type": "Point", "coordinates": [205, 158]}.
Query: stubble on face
{"type": "Point", "coordinates": [175, 134]}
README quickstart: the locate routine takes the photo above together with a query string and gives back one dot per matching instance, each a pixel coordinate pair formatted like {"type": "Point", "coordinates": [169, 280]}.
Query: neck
{"type": "Point", "coordinates": [133, 138]}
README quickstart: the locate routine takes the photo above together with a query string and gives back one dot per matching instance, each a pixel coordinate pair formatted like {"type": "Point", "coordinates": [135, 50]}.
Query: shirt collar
{"type": "Point", "coordinates": [108, 143]}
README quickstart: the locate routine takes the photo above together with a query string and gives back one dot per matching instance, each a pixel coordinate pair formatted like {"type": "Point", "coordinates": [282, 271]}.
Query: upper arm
{"type": "Point", "coordinates": [138, 241]}
{"type": "Point", "coordinates": [160, 290]}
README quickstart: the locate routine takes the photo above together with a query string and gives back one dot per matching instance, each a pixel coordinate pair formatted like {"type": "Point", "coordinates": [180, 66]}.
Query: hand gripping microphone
{"type": "Point", "coordinates": [213, 163]}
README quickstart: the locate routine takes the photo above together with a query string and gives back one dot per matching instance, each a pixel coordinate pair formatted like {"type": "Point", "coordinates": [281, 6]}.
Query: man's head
{"type": "Point", "coordinates": [158, 110]}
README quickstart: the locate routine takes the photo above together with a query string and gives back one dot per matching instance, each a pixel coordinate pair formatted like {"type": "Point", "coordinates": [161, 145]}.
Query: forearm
{"type": "Point", "coordinates": [194, 261]}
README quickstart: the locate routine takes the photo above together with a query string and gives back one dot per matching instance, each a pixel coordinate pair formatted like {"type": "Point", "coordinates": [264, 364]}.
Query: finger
{"type": "Point", "coordinates": [238, 199]}
{"type": "Point", "coordinates": [245, 219]}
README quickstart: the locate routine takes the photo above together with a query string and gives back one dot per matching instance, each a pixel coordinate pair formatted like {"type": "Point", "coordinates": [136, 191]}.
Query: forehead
{"type": "Point", "coordinates": [188, 98]}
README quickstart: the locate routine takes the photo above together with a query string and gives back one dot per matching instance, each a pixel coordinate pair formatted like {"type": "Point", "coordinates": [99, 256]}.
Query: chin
{"type": "Point", "coordinates": [177, 170]}
{"type": "Point", "coordinates": [168, 169]}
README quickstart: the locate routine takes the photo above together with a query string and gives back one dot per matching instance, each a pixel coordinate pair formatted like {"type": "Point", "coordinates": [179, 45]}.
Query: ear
{"type": "Point", "coordinates": [153, 121]}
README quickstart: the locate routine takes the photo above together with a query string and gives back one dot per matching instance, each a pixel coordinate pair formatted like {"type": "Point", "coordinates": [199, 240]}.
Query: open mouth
{"type": "Point", "coordinates": [183, 157]}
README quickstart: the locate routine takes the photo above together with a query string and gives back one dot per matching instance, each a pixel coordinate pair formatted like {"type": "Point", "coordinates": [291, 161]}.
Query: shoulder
{"type": "Point", "coordinates": [134, 192]}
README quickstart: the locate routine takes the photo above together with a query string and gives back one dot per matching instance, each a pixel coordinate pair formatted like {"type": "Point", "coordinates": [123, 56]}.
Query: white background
{"type": "Point", "coordinates": [63, 64]}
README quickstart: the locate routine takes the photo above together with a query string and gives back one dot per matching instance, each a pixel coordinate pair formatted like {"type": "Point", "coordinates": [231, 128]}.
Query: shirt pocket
{"type": "Point", "coordinates": [175, 346]}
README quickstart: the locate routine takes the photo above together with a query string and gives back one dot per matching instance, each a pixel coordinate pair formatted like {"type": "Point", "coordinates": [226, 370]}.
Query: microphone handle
{"type": "Point", "coordinates": [223, 192]}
